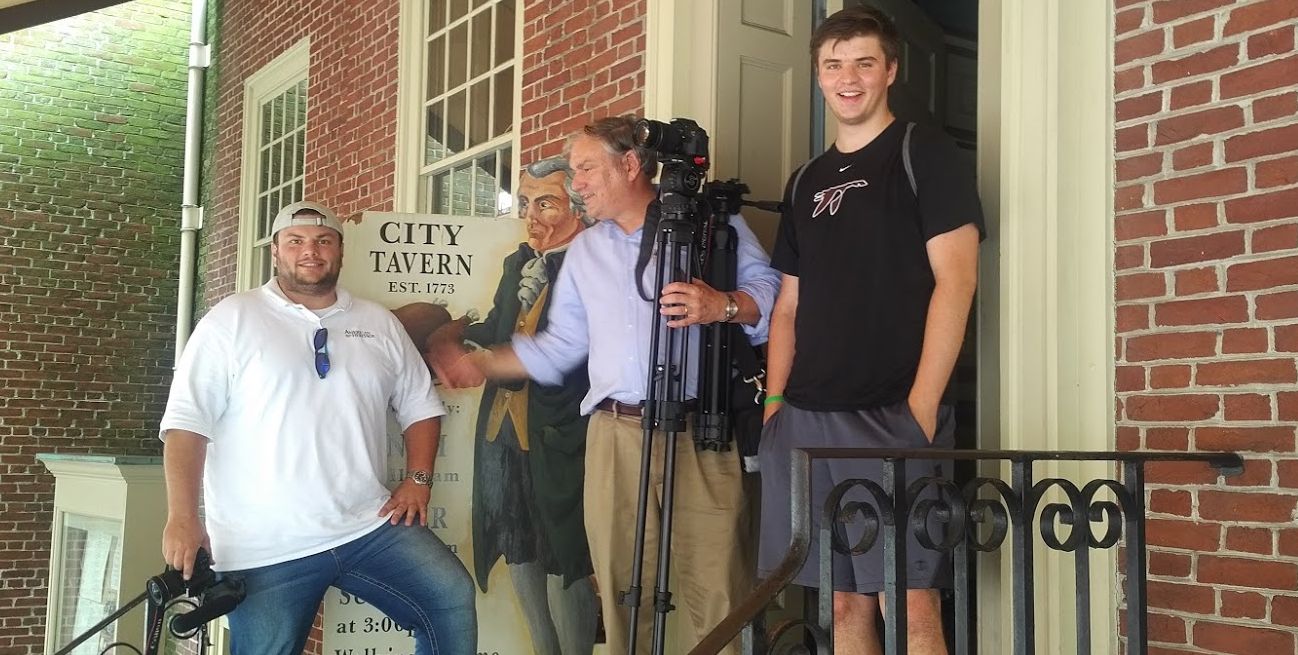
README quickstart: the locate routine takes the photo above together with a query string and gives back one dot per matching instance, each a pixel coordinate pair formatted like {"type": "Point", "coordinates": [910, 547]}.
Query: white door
{"type": "Point", "coordinates": [763, 91]}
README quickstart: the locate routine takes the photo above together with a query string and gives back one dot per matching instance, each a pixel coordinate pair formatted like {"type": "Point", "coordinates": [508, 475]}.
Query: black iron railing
{"type": "Point", "coordinates": [976, 517]}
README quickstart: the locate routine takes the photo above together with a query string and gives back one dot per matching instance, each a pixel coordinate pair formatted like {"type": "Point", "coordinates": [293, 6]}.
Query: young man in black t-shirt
{"type": "Point", "coordinates": [879, 253]}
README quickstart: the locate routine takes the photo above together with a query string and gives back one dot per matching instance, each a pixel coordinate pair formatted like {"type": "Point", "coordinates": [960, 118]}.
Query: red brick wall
{"type": "Point", "coordinates": [1206, 233]}
{"type": "Point", "coordinates": [582, 60]}
{"type": "Point", "coordinates": [351, 111]}
{"type": "Point", "coordinates": [91, 142]}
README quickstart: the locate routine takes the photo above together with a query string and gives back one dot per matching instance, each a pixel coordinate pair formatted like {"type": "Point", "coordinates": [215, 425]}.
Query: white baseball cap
{"type": "Point", "coordinates": [286, 217]}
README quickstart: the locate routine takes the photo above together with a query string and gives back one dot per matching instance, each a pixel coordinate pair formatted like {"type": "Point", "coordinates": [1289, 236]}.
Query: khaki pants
{"type": "Point", "coordinates": [712, 556]}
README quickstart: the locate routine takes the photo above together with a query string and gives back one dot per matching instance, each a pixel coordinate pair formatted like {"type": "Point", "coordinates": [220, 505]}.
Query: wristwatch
{"type": "Point", "coordinates": [732, 307]}
{"type": "Point", "coordinates": [421, 478]}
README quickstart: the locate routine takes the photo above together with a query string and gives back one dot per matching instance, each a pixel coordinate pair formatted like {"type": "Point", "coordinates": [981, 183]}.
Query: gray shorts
{"type": "Point", "coordinates": [891, 426]}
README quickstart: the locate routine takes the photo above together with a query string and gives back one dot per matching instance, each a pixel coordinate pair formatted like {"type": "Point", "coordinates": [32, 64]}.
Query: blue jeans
{"type": "Point", "coordinates": [404, 572]}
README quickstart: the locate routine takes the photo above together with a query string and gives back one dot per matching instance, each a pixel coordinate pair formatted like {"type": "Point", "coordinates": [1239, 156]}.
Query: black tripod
{"type": "Point", "coordinates": [686, 230]}
{"type": "Point", "coordinates": [664, 410]}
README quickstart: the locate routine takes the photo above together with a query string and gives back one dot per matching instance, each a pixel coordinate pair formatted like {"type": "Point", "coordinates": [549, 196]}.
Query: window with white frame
{"type": "Point", "coordinates": [274, 154]}
{"type": "Point", "coordinates": [468, 107]}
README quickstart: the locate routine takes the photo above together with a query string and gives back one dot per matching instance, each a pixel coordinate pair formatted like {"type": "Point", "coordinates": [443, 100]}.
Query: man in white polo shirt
{"type": "Point", "coordinates": [278, 412]}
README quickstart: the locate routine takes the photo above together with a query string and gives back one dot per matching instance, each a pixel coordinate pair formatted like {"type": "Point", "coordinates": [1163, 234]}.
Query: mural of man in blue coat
{"type": "Point", "coordinates": [531, 439]}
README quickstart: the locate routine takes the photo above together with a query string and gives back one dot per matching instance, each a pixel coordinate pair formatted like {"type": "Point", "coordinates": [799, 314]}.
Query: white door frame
{"type": "Point", "coordinates": [1045, 159]}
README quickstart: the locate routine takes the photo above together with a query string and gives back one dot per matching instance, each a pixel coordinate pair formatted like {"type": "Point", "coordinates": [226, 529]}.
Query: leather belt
{"type": "Point", "coordinates": [637, 409]}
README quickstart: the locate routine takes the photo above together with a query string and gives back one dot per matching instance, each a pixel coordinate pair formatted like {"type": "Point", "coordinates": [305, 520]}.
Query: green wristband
{"type": "Point", "coordinates": [773, 399]}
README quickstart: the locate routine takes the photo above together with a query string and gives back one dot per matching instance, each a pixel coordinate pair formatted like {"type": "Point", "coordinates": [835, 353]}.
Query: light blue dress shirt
{"type": "Point", "coordinates": [596, 314]}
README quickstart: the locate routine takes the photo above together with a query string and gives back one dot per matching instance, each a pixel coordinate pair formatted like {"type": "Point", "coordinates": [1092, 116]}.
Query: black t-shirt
{"type": "Point", "coordinates": [855, 236]}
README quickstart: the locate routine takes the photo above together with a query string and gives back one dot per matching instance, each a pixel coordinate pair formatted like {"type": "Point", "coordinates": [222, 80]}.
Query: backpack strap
{"type": "Point", "coordinates": [797, 177]}
{"type": "Point", "coordinates": [905, 159]}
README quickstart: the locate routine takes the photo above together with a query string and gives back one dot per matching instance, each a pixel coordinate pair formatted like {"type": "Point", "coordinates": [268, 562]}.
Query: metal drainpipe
{"type": "Point", "coordinates": [191, 213]}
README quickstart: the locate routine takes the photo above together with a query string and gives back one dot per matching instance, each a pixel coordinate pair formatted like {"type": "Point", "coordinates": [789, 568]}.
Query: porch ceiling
{"type": "Point", "coordinates": [21, 14]}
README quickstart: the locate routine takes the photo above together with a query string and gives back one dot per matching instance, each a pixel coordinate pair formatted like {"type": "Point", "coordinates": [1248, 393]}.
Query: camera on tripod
{"type": "Point", "coordinates": [682, 147]}
{"type": "Point", "coordinates": [680, 140]}
{"type": "Point", "coordinates": [705, 210]}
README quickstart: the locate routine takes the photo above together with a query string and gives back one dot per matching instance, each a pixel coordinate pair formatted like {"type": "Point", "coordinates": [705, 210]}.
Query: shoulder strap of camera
{"type": "Point", "coordinates": [648, 236]}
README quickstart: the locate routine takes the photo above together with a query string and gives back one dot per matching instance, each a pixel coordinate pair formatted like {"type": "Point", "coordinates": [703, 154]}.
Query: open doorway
{"type": "Point", "coordinates": [936, 85]}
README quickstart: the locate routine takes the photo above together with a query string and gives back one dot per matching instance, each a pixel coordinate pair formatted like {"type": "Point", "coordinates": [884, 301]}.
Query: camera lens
{"type": "Point", "coordinates": [647, 133]}
{"type": "Point", "coordinates": [164, 587]}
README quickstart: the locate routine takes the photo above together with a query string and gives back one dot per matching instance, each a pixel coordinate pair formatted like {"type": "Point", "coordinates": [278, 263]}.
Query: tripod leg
{"type": "Point", "coordinates": [662, 595]}
{"type": "Point", "coordinates": [631, 597]}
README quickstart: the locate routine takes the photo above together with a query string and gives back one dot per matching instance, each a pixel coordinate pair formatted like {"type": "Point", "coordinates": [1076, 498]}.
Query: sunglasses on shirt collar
{"type": "Point", "coordinates": [320, 340]}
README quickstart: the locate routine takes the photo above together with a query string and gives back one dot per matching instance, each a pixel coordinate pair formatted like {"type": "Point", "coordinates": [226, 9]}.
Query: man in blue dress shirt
{"type": "Point", "coordinates": [597, 316]}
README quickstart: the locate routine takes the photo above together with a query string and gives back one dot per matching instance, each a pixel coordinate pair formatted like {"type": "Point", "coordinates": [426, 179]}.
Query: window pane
{"type": "Point", "coordinates": [263, 218]}
{"type": "Point", "coordinates": [480, 61]}
{"type": "Point", "coordinates": [265, 123]}
{"type": "Point", "coordinates": [90, 572]}
{"type": "Point", "coordinates": [297, 191]}
{"type": "Point", "coordinates": [290, 109]}
{"type": "Point", "coordinates": [459, 8]}
{"type": "Point", "coordinates": [458, 55]}
{"type": "Point", "coordinates": [479, 107]}
{"type": "Point", "coordinates": [461, 188]}
{"type": "Point", "coordinates": [300, 153]}
{"type": "Point", "coordinates": [455, 123]}
{"type": "Point", "coordinates": [277, 117]}
{"type": "Point", "coordinates": [503, 114]}
{"type": "Point", "coordinates": [435, 142]}
{"type": "Point", "coordinates": [276, 157]}
{"type": "Point", "coordinates": [504, 197]}
{"type": "Point", "coordinates": [441, 193]}
{"type": "Point", "coordinates": [504, 31]}
{"type": "Point", "coordinates": [484, 186]}
{"type": "Point", "coordinates": [436, 15]}
{"type": "Point", "coordinates": [301, 106]}
{"type": "Point", "coordinates": [265, 171]}
{"type": "Point", "coordinates": [264, 265]}
{"type": "Point", "coordinates": [289, 161]}
{"type": "Point", "coordinates": [436, 68]}
{"type": "Point", "coordinates": [506, 177]}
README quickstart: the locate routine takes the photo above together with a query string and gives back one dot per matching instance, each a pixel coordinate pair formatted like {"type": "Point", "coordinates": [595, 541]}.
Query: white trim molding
{"type": "Point", "coordinates": [1045, 156]}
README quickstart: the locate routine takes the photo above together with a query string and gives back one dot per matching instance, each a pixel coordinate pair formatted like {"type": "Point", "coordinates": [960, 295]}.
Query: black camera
{"type": "Point", "coordinates": [171, 584]}
{"type": "Point", "coordinates": [680, 140]}
{"type": "Point", "coordinates": [216, 597]}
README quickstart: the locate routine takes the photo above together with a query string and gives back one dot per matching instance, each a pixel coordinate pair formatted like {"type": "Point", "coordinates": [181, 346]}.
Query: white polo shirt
{"type": "Point", "coordinates": [295, 463]}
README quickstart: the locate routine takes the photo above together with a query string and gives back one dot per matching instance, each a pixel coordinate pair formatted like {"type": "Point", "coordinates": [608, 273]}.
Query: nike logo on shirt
{"type": "Point", "coordinates": [844, 168]}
